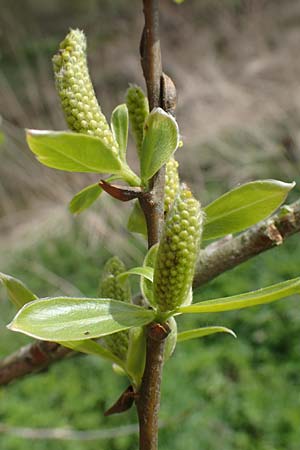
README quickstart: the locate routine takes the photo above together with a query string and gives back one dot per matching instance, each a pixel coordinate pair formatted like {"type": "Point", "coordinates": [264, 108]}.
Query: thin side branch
{"type": "Point", "coordinates": [226, 254]}
{"type": "Point", "coordinates": [30, 359]}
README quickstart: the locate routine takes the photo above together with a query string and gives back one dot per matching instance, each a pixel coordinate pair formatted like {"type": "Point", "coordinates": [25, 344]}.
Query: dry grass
{"type": "Point", "coordinates": [236, 70]}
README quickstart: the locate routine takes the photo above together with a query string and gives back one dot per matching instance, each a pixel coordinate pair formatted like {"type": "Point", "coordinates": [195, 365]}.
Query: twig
{"type": "Point", "coordinates": [224, 255]}
{"type": "Point", "coordinates": [29, 359]}
{"type": "Point", "coordinates": [148, 398]}
{"type": "Point", "coordinates": [66, 434]}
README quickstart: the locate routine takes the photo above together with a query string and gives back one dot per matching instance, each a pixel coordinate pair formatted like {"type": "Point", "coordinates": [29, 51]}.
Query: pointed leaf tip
{"type": "Point", "coordinates": [202, 332]}
{"type": "Point", "coordinates": [240, 301]}
{"type": "Point", "coordinates": [74, 319]}
{"type": "Point", "coordinates": [243, 207]}
{"type": "Point", "coordinates": [161, 138]}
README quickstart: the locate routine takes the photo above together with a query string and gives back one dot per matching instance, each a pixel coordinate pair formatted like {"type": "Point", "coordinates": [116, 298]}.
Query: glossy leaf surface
{"type": "Point", "coordinates": [73, 152]}
{"type": "Point", "coordinates": [160, 142]}
{"type": "Point", "coordinates": [259, 297]}
{"type": "Point", "coordinates": [244, 206]}
{"type": "Point", "coordinates": [72, 319]}
{"type": "Point", "coordinates": [17, 292]}
{"type": "Point", "coordinates": [201, 332]}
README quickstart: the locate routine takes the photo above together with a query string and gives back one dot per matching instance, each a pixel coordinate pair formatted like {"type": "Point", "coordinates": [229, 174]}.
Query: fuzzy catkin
{"type": "Point", "coordinates": [138, 110]}
{"type": "Point", "coordinates": [111, 287]}
{"type": "Point", "coordinates": [178, 251]}
{"type": "Point", "coordinates": [171, 184]}
{"type": "Point", "coordinates": [82, 111]}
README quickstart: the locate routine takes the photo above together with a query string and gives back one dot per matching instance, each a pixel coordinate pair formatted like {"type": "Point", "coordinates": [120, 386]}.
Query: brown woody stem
{"type": "Point", "coordinates": [148, 399]}
{"type": "Point", "coordinates": [29, 359]}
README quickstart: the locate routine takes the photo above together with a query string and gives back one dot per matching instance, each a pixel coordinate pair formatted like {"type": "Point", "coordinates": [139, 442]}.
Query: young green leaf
{"type": "Point", "coordinates": [244, 206]}
{"type": "Point", "coordinates": [259, 297]}
{"type": "Point", "coordinates": [171, 339]}
{"type": "Point", "coordinates": [91, 347]}
{"type": "Point", "coordinates": [136, 221]}
{"type": "Point", "coordinates": [73, 152]}
{"type": "Point", "coordinates": [73, 319]}
{"type": "Point", "coordinates": [119, 126]}
{"type": "Point", "coordinates": [146, 284]}
{"type": "Point", "coordinates": [201, 332]}
{"type": "Point", "coordinates": [145, 272]}
{"type": "Point", "coordinates": [160, 142]}
{"type": "Point", "coordinates": [85, 198]}
{"type": "Point", "coordinates": [17, 292]}
{"type": "Point", "coordinates": [136, 354]}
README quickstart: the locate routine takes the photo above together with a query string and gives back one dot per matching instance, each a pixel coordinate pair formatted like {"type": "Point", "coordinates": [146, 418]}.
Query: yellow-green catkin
{"type": "Point", "coordinates": [138, 110]}
{"type": "Point", "coordinates": [79, 103]}
{"type": "Point", "coordinates": [111, 287]}
{"type": "Point", "coordinates": [178, 251]}
{"type": "Point", "coordinates": [171, 184]}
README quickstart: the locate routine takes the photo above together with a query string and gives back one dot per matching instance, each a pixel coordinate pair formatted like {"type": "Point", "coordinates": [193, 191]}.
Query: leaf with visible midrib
{"type": "Point", "coordinates": [258, 297]}
{"type": "Point", "coordinates": [160, 141]}
{"type": "Point", "coordinates": [202, 332]}
{"type": "Point", "coordinates": [71, 319]}
{"type": "Point", "coordinates": [244, 206]}
{"type": "Point", "coordinates": [73, 152]}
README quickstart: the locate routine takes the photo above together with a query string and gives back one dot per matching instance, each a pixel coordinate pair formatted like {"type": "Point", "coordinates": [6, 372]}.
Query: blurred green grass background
{"type": "Point", "coordinates": [239, 114]}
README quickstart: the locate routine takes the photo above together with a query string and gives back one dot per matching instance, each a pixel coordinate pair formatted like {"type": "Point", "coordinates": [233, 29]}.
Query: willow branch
{"type": "Point", "coordinates": [148, 398]}
{"type": "Point", "coordinates": [30, 359]}
{"type": "Point", "coordinates": [228, 253]}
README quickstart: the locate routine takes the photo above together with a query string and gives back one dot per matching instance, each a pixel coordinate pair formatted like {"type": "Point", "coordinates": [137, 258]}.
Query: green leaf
{"type": "Point", "coordinates": [160, 142]}
{"type": "Point", "coordinates": [244, 206]}
{"type": "Point", "coordinates": [146, 284]}
{"type": "Point", "coordinates": [201, 332]}
{"type": "Point", "coordinates": [91, 347]}
{"type": "Point", "coordinates": [85, 198]}
{"type": "Point", "coordinates": [259, 297]}
{"type": "Point", "coordinates": [171, 340]}
{"type": "Point", "coordinates": [73, 152]}
{"type": "Point", "coordinates": [74, 319]}
{"type": "Point", "coordinates": [17, 292]}
{"type": "Point", "coordinates": [136, 355]}
{"type": "Point", "coordinates": [119, 126]}
{"type": "Point", "coordinates": [145, 272]}
{"type": "Point", "coordinates": [136, 221]}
